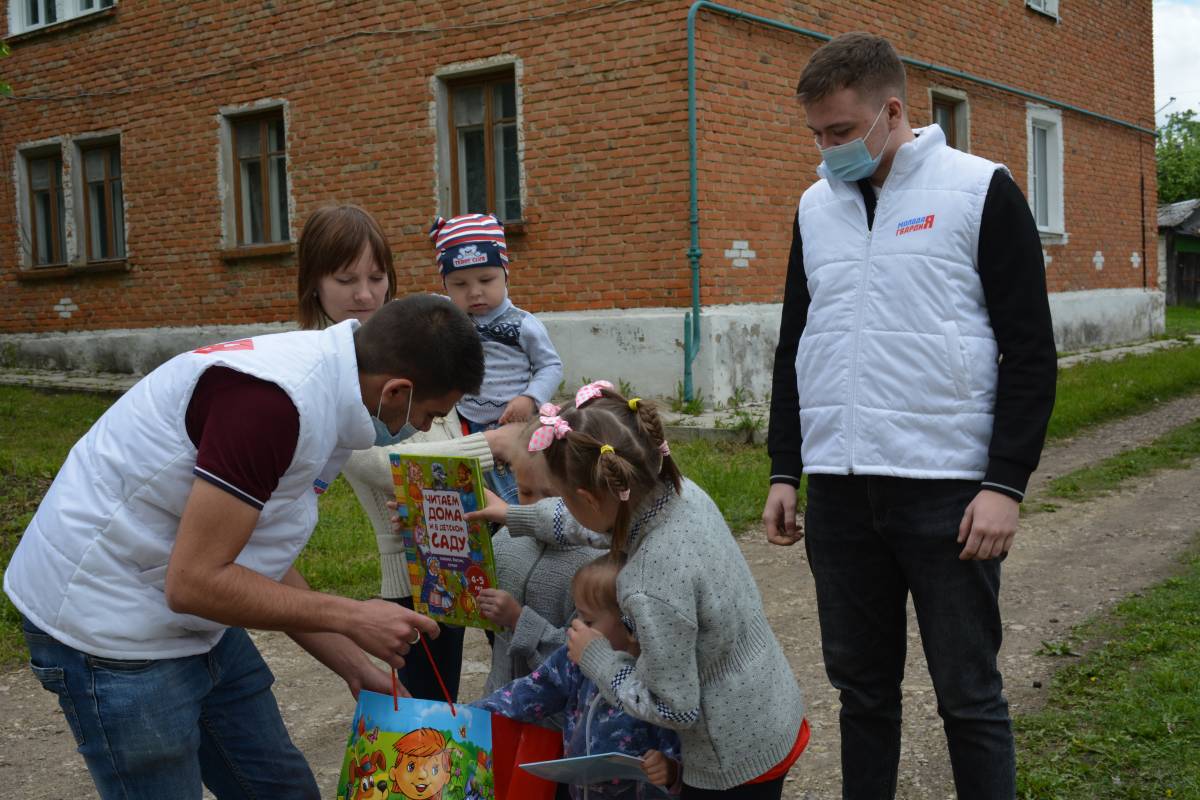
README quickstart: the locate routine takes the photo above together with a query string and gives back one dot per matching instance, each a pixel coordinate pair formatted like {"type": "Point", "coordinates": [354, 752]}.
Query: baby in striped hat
{"type": "Point", "coordinates": [523, 369]}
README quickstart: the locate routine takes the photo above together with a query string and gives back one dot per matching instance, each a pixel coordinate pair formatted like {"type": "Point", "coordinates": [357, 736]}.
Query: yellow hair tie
{"type": "Point", "coordinates": [633, 403]}
{"type": "Point", "coordinates": [606, 448]}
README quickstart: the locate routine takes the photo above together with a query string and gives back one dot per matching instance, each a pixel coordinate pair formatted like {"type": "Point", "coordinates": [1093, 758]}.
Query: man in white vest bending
{"type": "Point", "coordinates": [913, 383]}
{"type": "Point", "coordinates": [173, 526]}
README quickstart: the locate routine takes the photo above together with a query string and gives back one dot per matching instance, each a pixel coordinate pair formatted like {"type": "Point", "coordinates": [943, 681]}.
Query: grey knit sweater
{"type": "Point", "coordinates": [709, 667]}
{"type": "Point", "coordinates": [538, 576]}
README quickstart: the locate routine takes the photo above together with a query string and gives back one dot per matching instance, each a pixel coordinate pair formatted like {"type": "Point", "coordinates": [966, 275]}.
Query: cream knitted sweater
{"type": "Point", "coordinates": [370, 475]}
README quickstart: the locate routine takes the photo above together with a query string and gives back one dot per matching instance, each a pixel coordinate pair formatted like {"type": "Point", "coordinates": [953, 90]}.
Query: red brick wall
{"type": "Point", "coordinates": [605, 137]}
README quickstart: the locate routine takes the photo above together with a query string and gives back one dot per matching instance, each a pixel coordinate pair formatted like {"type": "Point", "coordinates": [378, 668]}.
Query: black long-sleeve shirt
{"type": "Point", "coordinates": [1013, 275]}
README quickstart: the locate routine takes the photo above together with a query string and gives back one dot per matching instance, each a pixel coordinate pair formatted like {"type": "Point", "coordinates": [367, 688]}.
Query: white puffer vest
{"type": "Point", "coordinates": [897, 366]}
{"type": "Point", "coordinates": [91, 567]}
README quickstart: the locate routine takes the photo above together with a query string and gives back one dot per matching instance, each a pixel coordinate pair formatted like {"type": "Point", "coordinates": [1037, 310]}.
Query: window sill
{"type": "Point", "coordinates": [1053, 237]}
{"type": "Point", "coordinates": [1045, 12]}
{"type": "Point", "coordinates": [64, 24]}
{"type": "Point", "coordinates": [72, 270]}
{"type": "Point", "coordinates": [258, 251]}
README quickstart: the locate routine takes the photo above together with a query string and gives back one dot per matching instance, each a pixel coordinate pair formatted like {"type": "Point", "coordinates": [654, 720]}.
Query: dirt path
{"type": "Point", "coordinates": [1066, 566]}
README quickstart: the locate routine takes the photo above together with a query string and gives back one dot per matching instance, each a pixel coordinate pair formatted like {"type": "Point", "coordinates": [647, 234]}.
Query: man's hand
{"type": "Point", "coordinates": [779, 515]}
{"type": "Point", "coordinates": [578, 638]}
{"type": "Point", "coordinates": [376, 680]}
{"type": "Point", "coordinates": [988, 526]}
{"type": "Point", "coordinates": [660, 770]}
{"type": "Point", "coordinates": [519, 409]}
{"type": "Point", "coordinates": [495, 511]}
{"type": "Point", "coordinates": [500, 607]}
{"type": "Point", "coordinates": [388, 630]}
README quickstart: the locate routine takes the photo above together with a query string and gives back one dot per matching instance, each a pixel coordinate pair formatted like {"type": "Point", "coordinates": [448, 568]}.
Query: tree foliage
{"type": "Point", "coordinates": [1178, 152]}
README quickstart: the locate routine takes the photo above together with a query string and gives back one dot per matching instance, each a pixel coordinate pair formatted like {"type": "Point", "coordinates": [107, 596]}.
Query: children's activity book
{"type": "Point", "coordinates": [449, 559]}
{"type": "Point", "coordinates": [585, 770]}
{"type": "Point", "coordinates": [420, 749]}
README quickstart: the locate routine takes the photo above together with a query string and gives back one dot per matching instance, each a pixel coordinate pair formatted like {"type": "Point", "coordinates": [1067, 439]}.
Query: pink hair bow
{"type": "Point", "coordinates": [664, 448]}
{"type": "Point", "coordinates": [590, 392]}
{"type": "Point", "coordinates": [549, 410]}
{"type": "Point", "coordinates": [553, 427]}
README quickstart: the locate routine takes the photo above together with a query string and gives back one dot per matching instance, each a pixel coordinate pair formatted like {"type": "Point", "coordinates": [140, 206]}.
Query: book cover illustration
{"type": "Point", "coordinates": [418, 751]}
{"type": "Point", "coordinates": [450, 560]}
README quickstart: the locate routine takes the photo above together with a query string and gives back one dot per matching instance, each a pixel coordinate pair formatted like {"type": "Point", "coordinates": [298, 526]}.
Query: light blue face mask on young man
{"type": "Point", "coordinates": [852, 161]}
{"type": "Point", "coordinates": [383, 436]}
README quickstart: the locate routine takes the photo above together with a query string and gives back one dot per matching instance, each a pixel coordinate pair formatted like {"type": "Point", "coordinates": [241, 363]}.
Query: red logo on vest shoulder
{"type": "Point", "coordinates": [225, 347]}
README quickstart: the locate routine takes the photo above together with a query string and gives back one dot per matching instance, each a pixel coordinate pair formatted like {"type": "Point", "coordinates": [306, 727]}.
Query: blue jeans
{"type": "Point", "coordinates": [871, 541]}
{"type": "Point", "coordinates": [501, 479]}
{"type": "Point", "coordinates": [157, 728]}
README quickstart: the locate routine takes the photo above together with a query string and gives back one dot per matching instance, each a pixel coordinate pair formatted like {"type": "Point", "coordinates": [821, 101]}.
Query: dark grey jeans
{"type": "Point", "coordinates": [872, 541]}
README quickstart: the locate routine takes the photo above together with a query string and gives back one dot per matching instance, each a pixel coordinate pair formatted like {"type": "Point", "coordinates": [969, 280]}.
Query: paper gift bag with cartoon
{"type": "Point", "coordinates": [418, 750]}
{"type": "Point", "coordinates": [402, 748]}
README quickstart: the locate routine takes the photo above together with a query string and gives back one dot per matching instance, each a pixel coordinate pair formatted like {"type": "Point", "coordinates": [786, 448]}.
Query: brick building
{"type": "Point", "coordinates": [162, 157]}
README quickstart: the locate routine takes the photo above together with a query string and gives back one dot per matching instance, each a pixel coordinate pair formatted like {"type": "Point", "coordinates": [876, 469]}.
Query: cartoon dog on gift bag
{"type": "Point", "coordinates": [363, 784]}
{"type": "Point", "coordinates": [422, 765]}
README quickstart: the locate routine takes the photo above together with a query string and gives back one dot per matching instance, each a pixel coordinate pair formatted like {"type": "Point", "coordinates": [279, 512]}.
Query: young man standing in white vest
{"type": "Point", "coordinates": [173, 526]}
{"type": "Point", "coordinates": [913, 383]}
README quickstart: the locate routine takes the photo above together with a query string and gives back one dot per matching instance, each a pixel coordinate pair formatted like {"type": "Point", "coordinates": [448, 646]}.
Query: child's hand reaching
{"type": "Point", "coordinates": [495, 511]}
{"type": "Point", "coordinates": [500, 607]}
{"type": "Point", "coordinates": [519, 409]}
{"type": "Point", "coordinates": [660, 770]}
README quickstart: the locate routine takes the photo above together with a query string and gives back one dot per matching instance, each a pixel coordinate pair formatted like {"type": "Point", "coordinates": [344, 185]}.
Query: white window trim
{"type": "Point", "coordinates": [962, 112]}
{"type": "Point", "coordinates": [59, 145]}
{"type": "Point", "coordinates": [64, 10]}
{"type": "Point", "coordinates": [439, 122]}
{"type": "Point", "coordinates": [1047, 7]}
{"type": "Point", "coordinates": [227, 174]}
{"type": "Point", "coordinates": [1051, 120]}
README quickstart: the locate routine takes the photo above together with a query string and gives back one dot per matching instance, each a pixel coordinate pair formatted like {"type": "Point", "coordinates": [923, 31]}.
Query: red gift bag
{"type": "Point", "coordinates": [515, 743]}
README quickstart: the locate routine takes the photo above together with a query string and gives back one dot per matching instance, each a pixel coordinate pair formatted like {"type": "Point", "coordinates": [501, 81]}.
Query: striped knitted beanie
{"type": "Point", "coordinates": [469, 240]}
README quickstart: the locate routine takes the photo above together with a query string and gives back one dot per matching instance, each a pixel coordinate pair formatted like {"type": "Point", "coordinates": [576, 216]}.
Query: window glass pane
{"type": "Point", "coordinates": [39, 173]}
{"type": "Point", "coordinates": [93, 165]}
{"type": "Point", "coordinates": [275, 139]}
{"type": "Point", "coordinates": [97, 221]}
{"type": "Point", "coordinates": [118, 215]}
{"type": "Point", "coordinates": [504, 100]}
{"type": "Point", "coordinates": [33, 12]}
{"type": "Point", "coordinates": [472, 172]}
{"type": "Point", "coordinates": [249, 141]}
{"type": "Point", "coordinates": [1041, 203]}
{"type": "Point", "coordinates": [252, 202]}
{"type": "Point", "coordinates": [87, 5]}
{"type": "Point", "coordinates": [61, 244]}
{"type": "Point", "coordinates": [41, 227]}
{"type": "Point", "coordinates": [114, 163]}
{"type": "Point", "coordinates": [106, 3]}
{"type": "Point", "coordinates": [277, 183]}
{"type": "Point", "coordinates": [468, 106]}
{"type": "Point", "coordinates": [49, 11]}
{"type": "Point", "coordinates": [508, 174]}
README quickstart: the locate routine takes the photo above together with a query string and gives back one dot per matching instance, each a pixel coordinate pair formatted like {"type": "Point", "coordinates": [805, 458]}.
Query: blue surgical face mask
{"type": "Point", "coordinates": [852, 161]}
{"type": "Point", "coordinates": [383, 436]}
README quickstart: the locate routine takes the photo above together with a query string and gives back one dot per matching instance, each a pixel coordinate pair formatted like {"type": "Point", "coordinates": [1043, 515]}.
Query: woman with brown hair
{"type": "Point", "coordinates": [345, 270]}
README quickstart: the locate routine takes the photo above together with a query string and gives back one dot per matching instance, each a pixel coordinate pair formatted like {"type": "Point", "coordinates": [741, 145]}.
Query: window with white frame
{"type": "Point", "coordinates": [482, 144]}
{"type": "Point", "coordinates": [1045, 168]}
{"type": "Point", "coordinates": [949, 110]}
{"type": "Point", "coordinates": [257, 162]}
{"type": "Point", "coordinates": [103, 203]}
{"type": "Point", "coordinates": [1047, 7]}
{"type": "Point", "coordinates": [46, 223]}
{"type": "Point", "coordinates": [28, 15]}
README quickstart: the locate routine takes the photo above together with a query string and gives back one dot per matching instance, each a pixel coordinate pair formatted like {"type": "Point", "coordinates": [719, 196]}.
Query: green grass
{"type": "Point", "coordinates": [1100, 391]}
{"type": "Point", "coordinates": [1123, 722]}
{"type": "Point", "coordinates": [37, 430]}
{"type": "Point", "coordinates": [1173, 450]}
{"type": "Point", "coordinates": [341, 557]}
{"type": "Point", "coordinates": [1183, 320]}
{"type": "Point", "coordinates": [735, 476]}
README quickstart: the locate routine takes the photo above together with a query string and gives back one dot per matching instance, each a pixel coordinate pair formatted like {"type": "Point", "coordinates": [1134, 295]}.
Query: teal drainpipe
{"type": "Point", "coordinates": [691, 320]}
